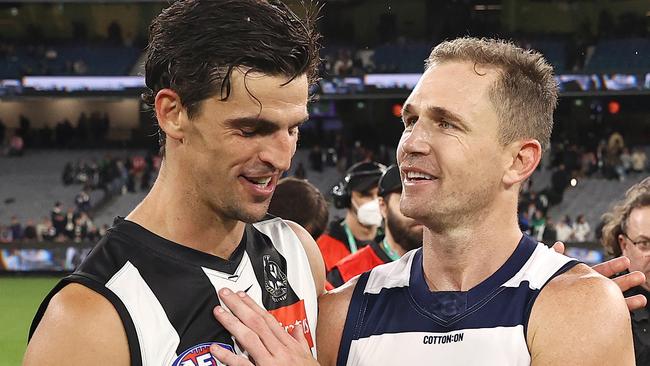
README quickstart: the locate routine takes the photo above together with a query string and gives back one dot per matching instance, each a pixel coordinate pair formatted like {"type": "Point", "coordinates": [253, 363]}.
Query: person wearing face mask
{"type": "Point", "coordinates": [627, 232]}
{"type": "Point", "coordinates": [357, 192]}
{"type": "Point", "coordinates": [402, 234]}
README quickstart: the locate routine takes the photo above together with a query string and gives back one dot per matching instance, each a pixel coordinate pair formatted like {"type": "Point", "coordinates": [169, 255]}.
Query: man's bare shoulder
{"type": "Point", "coordinates": [332, 312]}
{"type": "Point", "coordinates": [79, 327]}
{"type": "Point", "coordinates": [580, 317]}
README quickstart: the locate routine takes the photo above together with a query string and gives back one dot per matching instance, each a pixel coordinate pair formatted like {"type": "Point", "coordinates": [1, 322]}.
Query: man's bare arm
{"type": "Point", "coordinates": [580, 318]}
{"type": "Point", "coordinates": [313, 254]}
{"type": "Point", "coordinates": [332, 312]}
{"type": "Point", "coordinates": [79, 327]}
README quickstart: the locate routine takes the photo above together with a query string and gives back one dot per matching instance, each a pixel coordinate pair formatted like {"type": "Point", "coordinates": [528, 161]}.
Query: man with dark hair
{"type": "Point", "coordinates": [357, 193]}
{"type": "Point", "coordinates": [299, 201]}
{"type": "Point", "coordinates": [402, 234]}
{"type": "Point", "coordinates": [228, 81]}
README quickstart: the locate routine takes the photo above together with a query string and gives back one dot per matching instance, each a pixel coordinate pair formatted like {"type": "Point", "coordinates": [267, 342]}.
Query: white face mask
{"type": "Point", "coordinates": [369, 214]}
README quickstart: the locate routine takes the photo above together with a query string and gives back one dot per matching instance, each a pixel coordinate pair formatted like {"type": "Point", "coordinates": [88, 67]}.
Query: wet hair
{"type": "Point", "coordinates": [615, 221]}
{"type": "Point", "coordinates": [300, 201]}
{"type": "Point", "coordinates": [195, 44]}
{"type": "Point", "coordinates": [525, 92]}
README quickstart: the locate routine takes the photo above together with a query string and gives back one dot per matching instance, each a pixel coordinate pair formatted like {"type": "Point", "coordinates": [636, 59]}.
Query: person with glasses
{"type": "Point", "coordinates": [627, 232]}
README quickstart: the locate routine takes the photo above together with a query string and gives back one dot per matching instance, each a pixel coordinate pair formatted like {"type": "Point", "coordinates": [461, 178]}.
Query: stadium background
{"type": "Point", "coordinates": [72, 128]}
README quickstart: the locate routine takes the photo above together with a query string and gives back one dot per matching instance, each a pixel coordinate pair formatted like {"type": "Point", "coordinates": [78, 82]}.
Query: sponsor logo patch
{"type": "Point", "coordinates": [294, 316]}
{"type": "Point", "coordinates": [200, 355]}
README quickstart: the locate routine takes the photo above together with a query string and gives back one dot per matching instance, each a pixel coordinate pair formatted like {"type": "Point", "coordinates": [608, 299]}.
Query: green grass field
{"type": "Point", "coordinates": [19, 299]}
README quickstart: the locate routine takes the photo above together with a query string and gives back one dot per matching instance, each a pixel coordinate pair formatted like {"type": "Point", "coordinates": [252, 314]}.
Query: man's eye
{"type": "Point", "coordinates": [445, 125]}
{"type": "Point", "coordinates": [409, 122]}
{"type": "Point", "coordinates": [247, 133]}
{"type": "Point", "coordinates": [293, 131]}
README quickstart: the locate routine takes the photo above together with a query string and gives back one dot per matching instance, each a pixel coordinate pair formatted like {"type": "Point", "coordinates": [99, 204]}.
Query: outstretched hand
{"type": "Point", "coordinates": [624, 282]}
{"type": "Point", "coordinates": [259, 333]}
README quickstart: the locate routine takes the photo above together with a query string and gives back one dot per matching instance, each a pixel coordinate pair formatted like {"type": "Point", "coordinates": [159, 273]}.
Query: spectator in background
{"type": "Point", "coordinates": [357, 193]}
{"type": "Point", "coordinates": [300, 172]}
{"type": "Point", "coordinates": [549, 234]}
{"type": "Point", "coordinates": [29, 232]}
{"type": "Point", "coordinates": [402, 234]}
{"type": "Point", "coordinates": [538, 225]}
{"type": "Point", "coordinates": [44, 230]}
{"type": "Point", "coordinates": [344, 64]}
{"type": "Point", "coordinates": [581, 229]}
{"type": "Point", "coordinates": [82, 200]}
{"type": "Point", "coordinates": [316, 158]}
{"type": "Point", "coordinates": [627, 232]}
{"type": "Point", "coordinates": [16, 229]}
{"type": "Point", "coordinates": [639, 160]}
{"type": "Point", "coordinates": [16, 146]}
{"type": "Point", "coordinates": [6, 236]}
{"type": "Point", "coordinates": [58, 218]}
{"type": "Point", "coordinates": [559, 183]}
{"type": "Point", "coordinates": [564, 229]}
{"type": "Point", "coordinates": [300, 201]}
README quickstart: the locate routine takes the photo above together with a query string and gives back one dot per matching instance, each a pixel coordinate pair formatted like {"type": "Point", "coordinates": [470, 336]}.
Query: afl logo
{"type": "Point", "coordinates": [200, 355]}
{"type": "Point", "coordinates": [275, 281]}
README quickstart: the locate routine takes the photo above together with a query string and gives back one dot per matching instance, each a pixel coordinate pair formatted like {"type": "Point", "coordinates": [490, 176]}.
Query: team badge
{"type": "Point", "coordinates": [275, 281]}
{"type": "Point", "coordinates": [200, 355]}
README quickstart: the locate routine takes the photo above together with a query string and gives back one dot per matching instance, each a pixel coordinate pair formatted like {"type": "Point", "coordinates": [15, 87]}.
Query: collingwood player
{"type": "Point", "coordinates": [479, 292]}
{"type": "Point", "coordinates": [228, 81]}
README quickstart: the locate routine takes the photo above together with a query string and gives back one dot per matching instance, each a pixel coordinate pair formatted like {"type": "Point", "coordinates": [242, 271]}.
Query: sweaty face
{"type": "Point", "coordinates": [450, 159]}
{"type": "Point", "coordinates": [405, 231]}
{"type": "Point", "coordinates": [236, 150]}
{"type": "Point", "coordinates": [638, 229]}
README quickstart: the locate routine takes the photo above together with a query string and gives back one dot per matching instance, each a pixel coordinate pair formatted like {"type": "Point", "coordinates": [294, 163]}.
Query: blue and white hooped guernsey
{"type": "Point", "coordinates": [394, 319]}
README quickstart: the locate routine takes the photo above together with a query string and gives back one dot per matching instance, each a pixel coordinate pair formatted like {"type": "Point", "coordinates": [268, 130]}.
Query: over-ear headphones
{"type": "Point", "coordinates": [356, 175]}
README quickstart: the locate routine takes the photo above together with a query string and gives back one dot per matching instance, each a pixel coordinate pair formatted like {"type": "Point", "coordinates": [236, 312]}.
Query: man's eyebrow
{"type": "Point", "coordinates": [436, 113]}
{"type": "Point", "coordinates": [259, 123]}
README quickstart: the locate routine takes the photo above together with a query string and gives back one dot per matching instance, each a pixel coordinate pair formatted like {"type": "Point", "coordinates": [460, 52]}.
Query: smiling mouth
{"type": "Point", "coordinates": [260, 182]}
{"type": "Point", "coordinates": [418, 177]}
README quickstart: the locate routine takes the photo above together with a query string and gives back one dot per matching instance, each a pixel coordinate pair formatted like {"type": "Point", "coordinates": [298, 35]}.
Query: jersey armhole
{"type": "Point", "coordinates": [529, 307]}
{"type": "Point", "coordinates": [354, 319]}
{"type": "Point", "coordinates": [88, 281]}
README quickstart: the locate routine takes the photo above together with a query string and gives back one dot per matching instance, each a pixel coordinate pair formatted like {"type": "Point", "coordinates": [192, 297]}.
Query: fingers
{"type": "Point", "coordinates": [636, 302]}
{"type": "Point", "coordinates": [299, 335]}
{"type": "Point", "coordinates": [558, 247]}
{"type": "Point", "coordinates": [612, 266]}
{"type": "Point", "coordinates": [627, 281]}
{"type": "Point", "coordinates": [246, 337]}
{"type": "Point", "coordinates": [228, 358]}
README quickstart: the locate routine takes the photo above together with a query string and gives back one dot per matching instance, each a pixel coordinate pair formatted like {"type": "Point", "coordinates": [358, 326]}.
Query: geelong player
{"type": "Point", "coordinates": [228, 81]}
{"type": "Point", "coordinates": [479, 292]}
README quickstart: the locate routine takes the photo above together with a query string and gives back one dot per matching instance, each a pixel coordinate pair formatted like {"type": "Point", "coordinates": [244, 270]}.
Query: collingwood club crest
{"type": "Point", "coordinates": [275, 281]}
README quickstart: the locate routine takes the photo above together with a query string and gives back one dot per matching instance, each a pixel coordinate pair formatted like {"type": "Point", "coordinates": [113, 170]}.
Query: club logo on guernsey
{"type": "Point", "coordinates": [275, 281]}
{"type": "Point", "coordinates": [200, 355]}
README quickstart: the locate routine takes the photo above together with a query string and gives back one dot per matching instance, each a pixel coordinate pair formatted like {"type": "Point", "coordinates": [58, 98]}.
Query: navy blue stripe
{"type": "Point", "coordinates": [354, 319]}
{"type": "Point", "coordinates": [531, 302]}
{"type": "Point", "coordinates": [394, 311]}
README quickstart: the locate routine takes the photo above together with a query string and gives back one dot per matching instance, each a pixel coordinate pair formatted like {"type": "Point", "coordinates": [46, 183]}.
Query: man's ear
{"type": "Point", "coordinates": [169, 111]}
{"type": "Point", "coordinates": [522, 159]}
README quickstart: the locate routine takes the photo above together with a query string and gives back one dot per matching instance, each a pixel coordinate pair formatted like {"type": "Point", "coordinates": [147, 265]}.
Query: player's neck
{"type": "Point", "coordinates": [459, 258]}
{"type": "Point", "coordinates": [359, 231]}
{"type": "Point", "coordinates": [173, 212]}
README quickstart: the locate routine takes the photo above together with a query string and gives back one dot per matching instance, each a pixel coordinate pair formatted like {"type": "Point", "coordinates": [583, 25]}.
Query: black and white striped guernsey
{"type": "Point", "coordinates": [394, 319]}
{"type": "Point", "coordinates": [165, 292]}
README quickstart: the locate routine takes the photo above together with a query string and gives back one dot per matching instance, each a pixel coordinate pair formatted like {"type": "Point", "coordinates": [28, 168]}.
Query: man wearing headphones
{"type": "Point", "coordinates": [401, 234]}
{"type": "Point", "coordinates": [358, 193]}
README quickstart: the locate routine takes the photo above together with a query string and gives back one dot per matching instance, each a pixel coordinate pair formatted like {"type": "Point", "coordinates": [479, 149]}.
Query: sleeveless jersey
{"type": "Point", "coordinates": [394, 318]}
{"type": "Point", "coordinates": [164, 292]}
